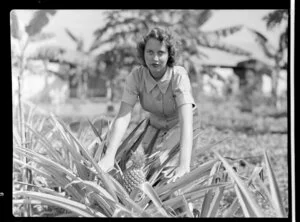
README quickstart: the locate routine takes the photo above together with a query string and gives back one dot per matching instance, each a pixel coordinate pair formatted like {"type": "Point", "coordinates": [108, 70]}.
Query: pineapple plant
{"type": "Point", "coordinates": [135, 174]}
{"type": "Point", "coordinates": [62, 160]}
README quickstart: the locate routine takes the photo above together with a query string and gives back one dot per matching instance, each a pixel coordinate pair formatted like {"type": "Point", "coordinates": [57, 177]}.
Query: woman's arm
{"type": "Point", "coordinates": [186, 139]}
{"type": "Point", "coordinates": [115, 136]}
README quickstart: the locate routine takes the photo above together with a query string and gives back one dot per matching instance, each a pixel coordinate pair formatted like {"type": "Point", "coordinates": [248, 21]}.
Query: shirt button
{"type": "Point", "coordinates": [159, 97]}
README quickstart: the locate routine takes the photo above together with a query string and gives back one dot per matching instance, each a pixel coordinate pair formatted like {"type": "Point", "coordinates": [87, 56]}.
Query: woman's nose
{"type": "Point", "coordinates": [155, 57]}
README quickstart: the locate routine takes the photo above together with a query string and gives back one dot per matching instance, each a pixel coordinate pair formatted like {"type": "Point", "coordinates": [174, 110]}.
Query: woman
{"type": "Point", "coordinates": [164, 90]}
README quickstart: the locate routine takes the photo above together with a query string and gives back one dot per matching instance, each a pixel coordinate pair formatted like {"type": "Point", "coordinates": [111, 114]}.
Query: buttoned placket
{"type": "Point", "coordinates": [161, 101]}
{"type": "Point", "coordinates": [158, 90]}
{"type": "Point", "coordinates": [163, 109]}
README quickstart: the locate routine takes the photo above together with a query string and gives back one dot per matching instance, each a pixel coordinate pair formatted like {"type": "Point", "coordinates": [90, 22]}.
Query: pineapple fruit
{"type": "Point", "coordinates": [135, 175]}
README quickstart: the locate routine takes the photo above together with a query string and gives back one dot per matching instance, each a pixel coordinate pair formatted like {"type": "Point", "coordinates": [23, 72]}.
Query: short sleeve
{"type": "Point", "coordinates": [130, 91]}
{"type": "Point", "coordinates": [182, 89]}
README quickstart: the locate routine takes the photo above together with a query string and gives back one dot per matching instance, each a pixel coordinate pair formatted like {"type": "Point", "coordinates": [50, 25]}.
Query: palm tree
{"type": "Point", "coordinates": [82, 69]}
{"type": "Point", "coordinates": [75, 65]}
{"type": "Point", "coordinates": [275, 53]}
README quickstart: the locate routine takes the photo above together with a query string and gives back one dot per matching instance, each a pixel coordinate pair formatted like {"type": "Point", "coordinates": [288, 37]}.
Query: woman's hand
{"type": "Point", "coordinates": [179, 172]}
{"type": "Point", "coordinates": [106, 163]}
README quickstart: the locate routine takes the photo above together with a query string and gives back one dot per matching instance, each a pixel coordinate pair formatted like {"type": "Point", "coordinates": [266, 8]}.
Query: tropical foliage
{"type": "Point", "coordinates": [276, 53]}
{"type": "Point", "coordinates": [113, 50]}
{"type": "Point", "coordinates": [124, 27]}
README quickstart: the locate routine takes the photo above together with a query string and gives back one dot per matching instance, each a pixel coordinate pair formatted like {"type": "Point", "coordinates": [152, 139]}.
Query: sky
{"type": "Point", "coordinates": [83, 23]}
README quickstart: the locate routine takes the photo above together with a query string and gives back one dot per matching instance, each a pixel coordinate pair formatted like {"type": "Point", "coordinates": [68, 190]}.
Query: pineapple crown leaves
{"type": "Point", "coordinates": [138, 158]}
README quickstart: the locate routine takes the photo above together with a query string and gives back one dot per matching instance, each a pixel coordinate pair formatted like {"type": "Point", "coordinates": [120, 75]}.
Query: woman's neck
{"type": "Point", "coordinates": [161, 75]}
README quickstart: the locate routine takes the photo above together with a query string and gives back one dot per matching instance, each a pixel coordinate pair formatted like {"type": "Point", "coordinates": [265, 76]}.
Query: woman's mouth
{"type": "Point", "coordinates": [155, 65]}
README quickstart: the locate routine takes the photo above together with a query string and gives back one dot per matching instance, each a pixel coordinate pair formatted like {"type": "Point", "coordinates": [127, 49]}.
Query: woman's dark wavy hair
{"type": "Point", "coordinates": [162, 35]}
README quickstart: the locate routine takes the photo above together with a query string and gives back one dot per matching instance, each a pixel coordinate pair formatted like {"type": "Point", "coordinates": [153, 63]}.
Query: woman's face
{"type": "Point", "coordinates": [156, 57]}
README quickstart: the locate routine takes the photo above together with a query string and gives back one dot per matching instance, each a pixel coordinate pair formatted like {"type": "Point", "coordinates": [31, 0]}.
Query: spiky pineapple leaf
{"type": "Point", "coordinates": [274, 188]}
{"type": "Point", "coordinates": [206, 206]}
{"type": "Point", "coordinates": [98, 134]}
{"type": "Point", "coordinates": [215, 204]}
{"type": "Point", "coordinates": [232, 208]}
{"type": "Point", "coordinates": [186, 179]}
{"type": "Point", "coordinates": [247, 210]}
{"type": "Point", "coordinates": [241, 186]}
{"type": "Point", "coordinates": [105, 179]}
{"type": "Point", "coordinates": [147, 188]}
{"type": "Point", "coordinates": [73, 206]}
{"type": "Point", "coordinates": [126, 144]}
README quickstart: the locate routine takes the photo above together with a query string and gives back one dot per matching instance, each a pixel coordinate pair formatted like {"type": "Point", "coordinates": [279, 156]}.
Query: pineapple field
{"type": "Point", "coordinates": [239, 168]}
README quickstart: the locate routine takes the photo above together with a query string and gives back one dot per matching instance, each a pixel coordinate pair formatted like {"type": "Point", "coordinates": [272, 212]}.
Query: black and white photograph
{"type": "Point", "coordinates": [141, 113]}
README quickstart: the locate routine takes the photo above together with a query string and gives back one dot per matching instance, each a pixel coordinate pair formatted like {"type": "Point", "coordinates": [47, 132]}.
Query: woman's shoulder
{"type": "Point", "coordinates": [136, 74]}
{"type": "Point", "coordinates": [138, 71]}
{"type": "Point", "coordinates": [179, 71]}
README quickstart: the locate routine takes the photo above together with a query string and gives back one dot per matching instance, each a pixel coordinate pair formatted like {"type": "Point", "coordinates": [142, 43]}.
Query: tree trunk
{"type": "Point", "coordinates": [109, 90]}
{"type": "Point", "coordinates": [109, 95]}
{"type": "Point", "coordinates": [199, 91]}
{"type": "Point", "coordinates": [275, 77]}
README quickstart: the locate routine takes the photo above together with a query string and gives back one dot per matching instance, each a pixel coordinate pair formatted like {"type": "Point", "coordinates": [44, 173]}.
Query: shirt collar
{"type": "Point", "coordinates": [162, 84]}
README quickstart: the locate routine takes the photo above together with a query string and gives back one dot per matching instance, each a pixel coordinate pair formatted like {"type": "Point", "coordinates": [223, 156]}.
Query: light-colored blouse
{"type": "Point", "coordinates": [160, 98]}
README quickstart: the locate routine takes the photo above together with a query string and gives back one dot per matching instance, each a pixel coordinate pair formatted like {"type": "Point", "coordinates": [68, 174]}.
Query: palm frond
{"type": "Point", "coordinates": [39, 20]}
{"type": "Point", "coordinates": [267, 48]}
{"type": "Point", "coordinates": [224, 32]}
{"type": "Point", "coordinates": [203, 17]}
{"type": "Point", "coordinates": [275, 18]}
{"type": "Point", "coordinates": [204, 41]}
{"type": "Point", "coordinates": [42, 37]}
{"type": "Point", "coordinates": [48, 52]}
{"type": "Point", "coordinates": [71, 35]}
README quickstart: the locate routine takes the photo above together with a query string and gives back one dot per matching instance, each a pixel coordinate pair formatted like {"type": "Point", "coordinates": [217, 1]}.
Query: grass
{"type": "Point", "coordinates": [225, 180]}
